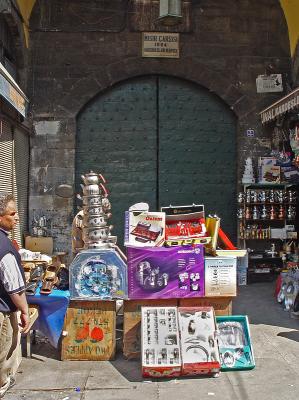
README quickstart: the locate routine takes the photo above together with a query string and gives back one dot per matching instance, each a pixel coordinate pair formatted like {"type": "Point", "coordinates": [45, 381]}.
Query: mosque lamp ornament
{"type": "Point", "coordinates": [170, 12]}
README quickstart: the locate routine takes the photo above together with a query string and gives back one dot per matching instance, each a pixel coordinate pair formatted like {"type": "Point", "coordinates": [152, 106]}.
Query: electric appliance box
{"type": "Point", "coordinates": [143, 228]}
{"type": "Point", "coordinates": [199, 347]}
{"type": "Point", "coordinates": [165, 272]}
{"type": "Point", "coordinates": [160, 347]}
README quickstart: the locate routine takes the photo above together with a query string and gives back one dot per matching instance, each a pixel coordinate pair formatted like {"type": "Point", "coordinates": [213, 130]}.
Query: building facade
{"type": "Point", "coordinates": [161, 130]}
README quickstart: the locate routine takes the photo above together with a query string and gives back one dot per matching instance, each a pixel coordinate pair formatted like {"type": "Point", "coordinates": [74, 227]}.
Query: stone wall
{"type": "Point", "coordinates": [80, 49]}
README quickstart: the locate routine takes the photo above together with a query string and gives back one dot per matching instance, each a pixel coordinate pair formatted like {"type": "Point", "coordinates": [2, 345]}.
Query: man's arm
{"type": "Point", "coordinates": [20, 301]}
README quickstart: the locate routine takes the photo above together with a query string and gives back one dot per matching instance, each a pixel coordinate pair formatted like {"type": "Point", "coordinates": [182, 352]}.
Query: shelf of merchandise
{"type": "Point", "coordinates": [263, 243]}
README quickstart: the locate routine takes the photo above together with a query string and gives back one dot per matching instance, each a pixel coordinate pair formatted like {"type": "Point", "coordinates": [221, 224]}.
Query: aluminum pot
{"type": "Point", "coordinates": [96, 245]}
{"type": "Point", "coordinates": [92, 200]}
{"type": "Point", "coordinates": [93, 210]}
{"type": "Point", "coordinates": [92, 178]}
{"type": "Point", "coordinates": [90, 221]}
{"type": "Point", "coordinates": [95, 234]}
{"type": "Point", "coordinates": [90, 190]}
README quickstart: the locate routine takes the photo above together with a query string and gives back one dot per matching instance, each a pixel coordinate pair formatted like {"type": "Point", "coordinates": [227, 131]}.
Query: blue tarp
{"type": "Point", "coordinates": [52, 309]}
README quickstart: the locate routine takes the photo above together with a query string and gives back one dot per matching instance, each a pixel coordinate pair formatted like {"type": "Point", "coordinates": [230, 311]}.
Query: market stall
{"type": "Point", "coordinates": [172, 283]}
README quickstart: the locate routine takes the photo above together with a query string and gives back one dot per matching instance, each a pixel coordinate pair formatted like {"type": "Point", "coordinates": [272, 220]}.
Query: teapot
{"type": "Point", "coordinates": [92, 178]}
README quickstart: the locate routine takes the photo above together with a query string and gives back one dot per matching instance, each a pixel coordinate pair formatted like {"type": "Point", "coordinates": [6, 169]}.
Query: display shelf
{"type": "Point", "coordinates": [266, 199]}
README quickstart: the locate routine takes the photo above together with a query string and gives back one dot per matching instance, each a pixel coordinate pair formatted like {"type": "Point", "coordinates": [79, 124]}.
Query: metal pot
{"type": "Point", "coordinates": [96, 245]}
{"type": "Point", "coordinates": [90, 221]}
{"type": "Point", "coordinates": [96, 234]}
{"type": "Point", "coordinates": [92, 200]}
{"type": "Point", "coordinates": [93, 210]}
{"type": "Point", "coordinates": [92, 178]}
{"type": "Point", "coordinates": [90, 190]}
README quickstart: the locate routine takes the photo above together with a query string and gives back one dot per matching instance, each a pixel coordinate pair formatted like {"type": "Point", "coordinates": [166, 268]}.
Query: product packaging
{"type": "Point", "coordinates": [165, 272]}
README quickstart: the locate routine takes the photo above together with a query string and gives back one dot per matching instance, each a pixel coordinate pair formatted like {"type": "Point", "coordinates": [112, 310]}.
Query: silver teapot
{"type": "Point", "coordinates": [92, 178]}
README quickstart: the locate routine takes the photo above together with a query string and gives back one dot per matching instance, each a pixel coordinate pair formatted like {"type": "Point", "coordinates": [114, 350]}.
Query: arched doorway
{"type": "Point", "coordinates": [160, 140]}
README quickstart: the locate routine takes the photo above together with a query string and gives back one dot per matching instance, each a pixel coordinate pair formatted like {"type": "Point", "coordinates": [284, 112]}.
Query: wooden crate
{"type": "Point", "coordinates": [221, 305]}
{"type": "Point", "coordinates": [89, 331]}
{"type": "Point", "coordinates": [132, 323]}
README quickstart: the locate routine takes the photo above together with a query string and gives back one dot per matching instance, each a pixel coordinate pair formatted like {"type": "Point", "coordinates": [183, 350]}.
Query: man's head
{"type": "Point", "coordinates": [8, 212]}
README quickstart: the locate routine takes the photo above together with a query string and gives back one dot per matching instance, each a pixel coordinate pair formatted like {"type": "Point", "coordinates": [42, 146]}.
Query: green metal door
{"type": "Point", "coordinates": [162, 141]}
{"type": "Point", "coordinates": [197, 150]}
{"type": "Point", "coordinates": [117, 136]}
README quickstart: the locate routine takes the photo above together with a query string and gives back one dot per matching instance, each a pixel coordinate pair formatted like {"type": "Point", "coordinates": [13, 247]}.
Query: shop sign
{"type": "Point", "coordinates": [8, 89]}
{"type": "Point", "coordinates": [250, 132]}
{"type": "Point", "coordinates": [282, 106]}
{"type": "Point", "coordinates": [160, 44]}
{"type": "Point", "coordinates": [269, 83]}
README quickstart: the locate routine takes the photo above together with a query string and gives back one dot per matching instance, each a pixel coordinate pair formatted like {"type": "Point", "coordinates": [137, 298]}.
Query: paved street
{"type": "Point", "coordinates": [275, 339]}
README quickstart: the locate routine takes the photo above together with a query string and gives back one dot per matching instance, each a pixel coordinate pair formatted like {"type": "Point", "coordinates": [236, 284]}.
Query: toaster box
{"type": "Point", "coordinates": [160, 347]}
{"type": "Point", "coordinates": [143, 228]}
{"type": "Point", "coordinates": [220, 276]}
{"type": "Point", "coordinates": [165, 272]}
{"type": "Point", "coordinates": [199, 346]}
{"type": "Point", "coordinates": [236, 352]}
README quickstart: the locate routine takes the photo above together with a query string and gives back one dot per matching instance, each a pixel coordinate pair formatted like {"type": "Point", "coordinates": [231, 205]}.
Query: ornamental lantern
{"type": "Point", "coordinates": [170, 12]}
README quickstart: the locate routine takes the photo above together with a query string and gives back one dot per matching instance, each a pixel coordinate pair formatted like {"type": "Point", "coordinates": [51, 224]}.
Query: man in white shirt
{"type": "Point", "coordinates": [12, 294]}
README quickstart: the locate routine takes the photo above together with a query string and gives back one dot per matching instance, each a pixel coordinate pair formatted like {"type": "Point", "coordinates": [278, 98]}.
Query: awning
{"type": "Point", "coordinates": [10, 90]}
{"type": "Point", "coordinates": [281, 107]}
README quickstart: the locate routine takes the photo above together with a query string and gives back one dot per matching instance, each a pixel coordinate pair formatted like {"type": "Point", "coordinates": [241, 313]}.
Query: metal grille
{"type": "Point", "coordinates": [20, 182]}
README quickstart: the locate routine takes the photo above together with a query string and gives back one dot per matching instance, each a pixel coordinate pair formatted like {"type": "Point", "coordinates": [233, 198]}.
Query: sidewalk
{"type": "Point", "coordinates": [275, 338]}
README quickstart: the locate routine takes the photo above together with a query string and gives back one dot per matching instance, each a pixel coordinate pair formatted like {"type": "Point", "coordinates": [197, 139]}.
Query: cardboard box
{"type": "Point", "coordinates": [199, 345]}
{"type": "Point", "coordinates": [90, 331]}
{"type": "Point", "coordinates": [236, 352]}
{"type": "Point", "coordinates": [220, 276]}
{"type": "Point", "coordinates": [184, 222]}
{"type": "Point", "coordinates": [221, 305]}
{"type": "Point", "coordinates": [269, 172]}
{"type": "Point", "coordinates": [160, 346]}
{"type": "Point", "coordinates": [165, 272]}
{"type": "Point", "coordinates": [144, 228]}
{"type": "Point", "coordinates": [132, 323]}
{"type": "Point", "coordinates": [42, 244]}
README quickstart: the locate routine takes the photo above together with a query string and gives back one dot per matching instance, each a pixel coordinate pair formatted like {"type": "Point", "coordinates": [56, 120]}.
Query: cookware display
{"type": "Point", "coordinates": [96, 206]}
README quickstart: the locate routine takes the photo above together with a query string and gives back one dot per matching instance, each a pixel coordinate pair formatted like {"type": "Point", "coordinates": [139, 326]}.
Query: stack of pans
{"type": "Point", "coordinates": [96, 207]}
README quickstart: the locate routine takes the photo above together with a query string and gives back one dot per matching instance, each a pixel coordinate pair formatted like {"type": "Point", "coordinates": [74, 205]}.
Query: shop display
{"type": "Point", "coordinates": [165, 272]}
{"type": "Point", "coordinates": [98, 274]}
{"type": "Point", "coordinates": [160, 345]}
{"type": "Point", "coordinates": [267, 219]}
{"type": "Point", "coordinates": [289, 288]}
{"type": "Point", "coordinates": [144, 228]}
{"type": "Point", "coordinates": [248, 176]}
{"type": "Point", "coordinates": [269, 171]}
{"type": "Point", "coordinates": [96, 212]}
{"type": "Point", "coordinates": [199, 345]}
{"type": "Point", "coordinates": [234, 340]}
{"type": "Point", "coordinates": [132, 323]}
{"type": "Point", "coordinates": [220, 276]}
{"type": "Point", "coordinates": [185, 225]}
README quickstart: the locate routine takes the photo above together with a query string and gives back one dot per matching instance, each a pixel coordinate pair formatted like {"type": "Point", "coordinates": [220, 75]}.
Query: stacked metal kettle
{"type": "Point", "coordinates": [96, 212]}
